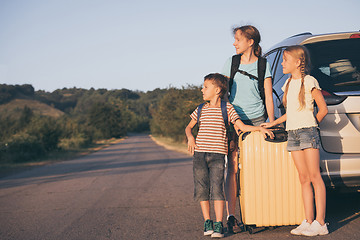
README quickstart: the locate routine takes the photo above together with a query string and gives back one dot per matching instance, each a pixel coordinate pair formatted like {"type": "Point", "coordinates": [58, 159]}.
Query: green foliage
{"type": "Point", "coordinates": [106, 121]}
{"type": "Point", "coordinates": [9, 92]}
{"type": "Point", "coordinates": [46, 131]}
{"type": "Point", "coordinates": [171, 116]}
{"type": "Point", "coordinates": [75, 142]}
{"type": "Point", "coordinates": [21, 147]}
{"type": "Point", "coordinates": [30, 141]}
{"type": "Point", "coordinates": [90, 115]}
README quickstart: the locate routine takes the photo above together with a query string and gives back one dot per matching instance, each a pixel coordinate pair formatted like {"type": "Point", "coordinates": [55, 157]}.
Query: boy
{"type": "Point", "coordinates": [210, 149]}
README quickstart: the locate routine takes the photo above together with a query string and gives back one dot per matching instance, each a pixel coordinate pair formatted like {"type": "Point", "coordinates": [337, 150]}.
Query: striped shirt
{"type": "Point", "coordinates": [212, 132]}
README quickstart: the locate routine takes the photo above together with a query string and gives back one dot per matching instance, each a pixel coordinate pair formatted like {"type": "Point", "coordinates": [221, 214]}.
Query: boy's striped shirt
{"type": "Point", "coordinates": [212, 132]}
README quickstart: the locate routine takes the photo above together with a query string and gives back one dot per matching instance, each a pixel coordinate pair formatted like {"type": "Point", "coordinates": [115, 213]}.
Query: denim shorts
{"type": "Point", "coordinates": [255, 121]}
{"type": "Point", "coordinates": [208, 170]}
{"type": "Point", "coordinates": [303, 138]}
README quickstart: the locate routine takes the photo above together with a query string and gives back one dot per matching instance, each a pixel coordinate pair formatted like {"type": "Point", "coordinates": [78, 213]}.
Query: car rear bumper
{"type": "Point", "coordinates": [340, 170]}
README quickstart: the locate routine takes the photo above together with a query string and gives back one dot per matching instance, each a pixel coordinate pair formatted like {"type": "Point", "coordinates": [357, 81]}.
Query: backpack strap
{"type": "Point", "coordinates": [261, 77]}
{"type": "Point", "coordinates": [235, 63]}
{"type": "Point", "coordinates": [224, 113]}
{"type": "Point", "coordinates": [199, 113]}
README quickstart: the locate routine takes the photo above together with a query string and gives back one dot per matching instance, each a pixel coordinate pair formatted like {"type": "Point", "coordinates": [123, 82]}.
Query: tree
{"type": "Point", "coordinates": [172, 114]}
{"type": "Point", "coordinates": [106, 120]}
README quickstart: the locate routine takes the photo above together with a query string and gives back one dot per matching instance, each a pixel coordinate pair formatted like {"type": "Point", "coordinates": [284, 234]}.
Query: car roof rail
{"type": "Point", "coordinates": [301, 34]}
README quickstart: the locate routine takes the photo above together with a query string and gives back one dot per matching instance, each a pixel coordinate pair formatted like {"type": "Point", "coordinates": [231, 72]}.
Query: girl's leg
{"type": "Point", "coordinates": [205, 208]}
{"type": "Point", "coordinates": [230, 183]}
{"type": "Point", "coordinates": [307, 191]}
{"type": "Point", "coordinates": [312, 157]}
{"type": "Point", "coordinates": [219, 210]}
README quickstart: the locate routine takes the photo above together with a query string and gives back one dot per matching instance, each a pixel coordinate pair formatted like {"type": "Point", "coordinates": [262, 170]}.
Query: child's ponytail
{"type": "Point", "coordinates": [257, 50]}
{"type": "Point", "coordinates": [251, 32]}
{"type": "Point", "coordinates": [302, 87]}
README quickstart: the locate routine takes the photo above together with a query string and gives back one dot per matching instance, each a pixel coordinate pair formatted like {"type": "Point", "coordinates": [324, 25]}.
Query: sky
{"type": "Point", "coordinates": [143, 45]}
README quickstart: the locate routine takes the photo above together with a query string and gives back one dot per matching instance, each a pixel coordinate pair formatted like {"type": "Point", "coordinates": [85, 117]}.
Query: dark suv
{"type": "Point", "coordinates": [335, 64]}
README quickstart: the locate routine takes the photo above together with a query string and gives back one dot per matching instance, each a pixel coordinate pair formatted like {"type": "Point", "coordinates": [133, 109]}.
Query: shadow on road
{"type": "Point", "coordinates": [341, 209]}
{"type": "Point", "coordinates": [137, 154]}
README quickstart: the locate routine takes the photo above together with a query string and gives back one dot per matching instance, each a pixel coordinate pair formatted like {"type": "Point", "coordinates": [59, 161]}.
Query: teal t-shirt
{"type": "Point", "coordinates": [245, 94]}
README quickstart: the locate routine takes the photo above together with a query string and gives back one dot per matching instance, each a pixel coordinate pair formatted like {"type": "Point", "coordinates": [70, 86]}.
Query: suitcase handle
{"type": "Point", "coordinates": [280, 135]}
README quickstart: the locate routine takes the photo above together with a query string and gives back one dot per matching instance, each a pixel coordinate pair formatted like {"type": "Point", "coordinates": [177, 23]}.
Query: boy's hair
{"type": "Point", "coordinates": [251, 32]}
{"type": "Point", "coordinates": [301, 53]}
{"type": "Point", "coordinates": [219, 80]}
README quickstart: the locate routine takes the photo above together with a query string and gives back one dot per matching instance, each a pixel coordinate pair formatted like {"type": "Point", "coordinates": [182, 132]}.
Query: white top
{"type": "Point", "coordinates": [303, 118]}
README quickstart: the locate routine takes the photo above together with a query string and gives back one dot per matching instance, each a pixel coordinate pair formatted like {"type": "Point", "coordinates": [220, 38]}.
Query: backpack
{"type": "Point", "coordinates": [235, 63]}
{"type": "Point", "coordinates": [223, 112]}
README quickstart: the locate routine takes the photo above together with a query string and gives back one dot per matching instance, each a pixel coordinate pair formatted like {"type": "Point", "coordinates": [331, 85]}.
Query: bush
{"type": "Point", "coordinates": [74, 143]}
{"type": "Point", "coordinates": [21, 148]}
{"type": "Point", "coordinates": [46, 131]}
{"type": "Point", "coordinates": [172, 114]}
{"type": "Point", "coordinates": [107, 121]}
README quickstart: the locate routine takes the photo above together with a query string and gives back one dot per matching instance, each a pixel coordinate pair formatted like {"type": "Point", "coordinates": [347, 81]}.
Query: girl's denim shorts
{"type": "Point", "coordinates": [303, 138]}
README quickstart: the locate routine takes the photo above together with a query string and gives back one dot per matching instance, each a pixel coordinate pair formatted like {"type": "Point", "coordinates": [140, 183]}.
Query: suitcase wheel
{"type": "Point", "coordinates": [250, 229]}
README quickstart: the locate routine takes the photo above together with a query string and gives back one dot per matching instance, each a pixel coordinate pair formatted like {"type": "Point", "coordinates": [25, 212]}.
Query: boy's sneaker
{"type": "Point", "coordinates": [316, 229]}
{"type": "Point", "coordinates": [302, 227]}
{"type": "Point", "coordinates": [208, 227]}
{"type": "Point", "coordinates": [233, 225]}
{"type": "Point", "coordinates": [218, 230]}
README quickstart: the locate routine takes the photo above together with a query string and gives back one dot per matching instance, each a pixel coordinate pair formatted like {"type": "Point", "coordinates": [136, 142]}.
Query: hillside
{"type": "Point", "coordinates": [15, 107]}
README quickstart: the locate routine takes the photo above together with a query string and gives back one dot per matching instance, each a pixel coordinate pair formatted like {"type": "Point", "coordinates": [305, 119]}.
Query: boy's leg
{"type": "Point", "coordinates": [208, 224]}
{"type": "Point", "coordinates": [205, 208]}
{"type": "Point", "coordinates": [202, 189]}
{"type": "Point", "coordinates": [219, 210]}
{"type": "Point", "coordinates": [201, 177]}
{"type": "Point", "coordinates": [216, 166]}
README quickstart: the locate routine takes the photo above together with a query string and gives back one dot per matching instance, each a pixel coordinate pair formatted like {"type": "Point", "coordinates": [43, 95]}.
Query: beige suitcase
{"type": "Point", "coordinates": [270, 191]}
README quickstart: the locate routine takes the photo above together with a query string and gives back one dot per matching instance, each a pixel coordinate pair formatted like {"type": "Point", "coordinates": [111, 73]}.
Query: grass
{"type": "Point", "coordinates": [11, 168]}
{"type": "Point", "coordinates": [170, 144]}
{"type": "Point", "coordinates": [15, 107]}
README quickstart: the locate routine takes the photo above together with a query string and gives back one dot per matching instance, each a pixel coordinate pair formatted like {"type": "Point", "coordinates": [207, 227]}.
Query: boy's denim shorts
{"type": "Point", "coordinates": [303, 138]}
{"type": "Point", "coordinates": [208, 170]}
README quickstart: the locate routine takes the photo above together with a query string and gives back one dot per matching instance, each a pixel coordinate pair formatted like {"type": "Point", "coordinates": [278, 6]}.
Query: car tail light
{"type": "Point", "coordinates": [332, 99]}
{"type": "Point", "coordinates": [356, 35]}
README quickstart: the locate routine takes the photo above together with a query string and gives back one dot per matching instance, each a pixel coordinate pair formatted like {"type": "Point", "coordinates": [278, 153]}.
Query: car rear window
{"type": "Point", "coordinates": [336, 64]}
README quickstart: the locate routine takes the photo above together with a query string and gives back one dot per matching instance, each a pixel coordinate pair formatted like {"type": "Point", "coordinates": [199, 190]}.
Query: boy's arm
{"type": "Point", "coordinates": [249, 128]}
{"type": "Point", "coordinates": [190, 137]}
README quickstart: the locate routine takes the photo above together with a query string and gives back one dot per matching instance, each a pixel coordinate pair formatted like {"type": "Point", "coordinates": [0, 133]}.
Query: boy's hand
{"type": "Point", "coordinates": [266, 132]}
{"type": "Point", "coordinates": [191, 145]}
{"type": "Point", "coordinates": [237, 129]}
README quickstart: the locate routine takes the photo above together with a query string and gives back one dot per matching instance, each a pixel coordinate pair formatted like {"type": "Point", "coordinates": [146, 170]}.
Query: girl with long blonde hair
{"type": "Point", "coordinates": [300, 92]}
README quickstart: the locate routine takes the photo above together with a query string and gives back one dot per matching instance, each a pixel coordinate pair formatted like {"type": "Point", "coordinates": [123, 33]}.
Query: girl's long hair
{"type": "Point", "coordinates": [301, 53]}
{"type": "Point", "coordinates": [251, 32]}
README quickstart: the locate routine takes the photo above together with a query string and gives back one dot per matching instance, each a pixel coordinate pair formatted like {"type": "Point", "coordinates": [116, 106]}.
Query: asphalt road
{"type": "Point", "coordinates": [132, 190]}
